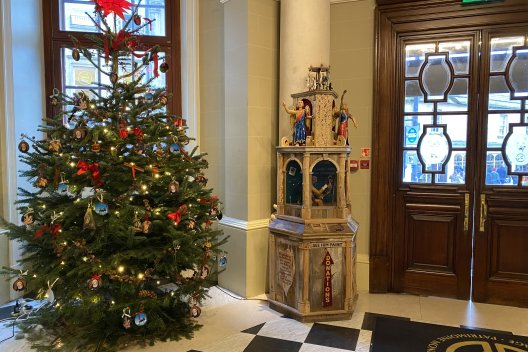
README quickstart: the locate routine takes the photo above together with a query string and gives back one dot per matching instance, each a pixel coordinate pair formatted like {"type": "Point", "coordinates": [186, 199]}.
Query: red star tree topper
{"type": "Point", "coordinates": [115, 6]}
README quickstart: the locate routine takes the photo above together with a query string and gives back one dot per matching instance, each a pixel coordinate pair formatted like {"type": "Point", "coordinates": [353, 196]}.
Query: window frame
{"type": "Point", "coordinates": [55, 39]}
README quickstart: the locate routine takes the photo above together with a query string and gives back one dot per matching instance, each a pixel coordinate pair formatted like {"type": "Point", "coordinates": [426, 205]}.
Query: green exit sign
{"type": "Point", "coordinates": [468, 2]}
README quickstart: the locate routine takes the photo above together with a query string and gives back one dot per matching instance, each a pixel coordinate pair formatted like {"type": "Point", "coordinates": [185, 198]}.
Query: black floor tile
{"type": "Point", "coordinates": [333, 336]}
{"type": "Point", "coordinates": [369, 320]}
{"type": "Point", "coordinates": [486, 330]}
{"type": "Point", "coordinates": [268, 344]}
{"type": "Point", "coordinates": [254, 330]}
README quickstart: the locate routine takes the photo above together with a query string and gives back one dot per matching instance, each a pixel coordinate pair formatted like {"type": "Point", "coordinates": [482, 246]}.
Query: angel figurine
{"type": "Point", "coordinates": [301, 114]}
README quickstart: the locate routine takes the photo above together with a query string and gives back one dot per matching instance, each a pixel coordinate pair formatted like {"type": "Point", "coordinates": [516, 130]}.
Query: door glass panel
{"type": "Point", "coordinates": [518, 73]}
{"type": "Point", "coordinates": [414, 129]}
{"type": "Point", "coordinates": [501, 51]}
{"type": "Point", "coordinates": [458, 55]}
{"type": "Point", "coordinates": [498, 126]}
{"type": "Point", "coordinates": [457, 99]}
{"type": "Point", "coordinates": [455, 170]}
{"type": "Point", "coordinates": [414, 98]}
{"type": "Point", "coordinates": [517, 148]}
{"type": "Point", "coordinates": [434, 148]}
{"type": "Point", "coordinates": [499, 97]}
{"type": "Point", "coordinates": [415, 57]}
{"type": "Point", "coordinates": [412, 169]}
{"type": "Point", "coordinates": [456, 128]}
{"type": "Point", "coordinates": [436, 77]}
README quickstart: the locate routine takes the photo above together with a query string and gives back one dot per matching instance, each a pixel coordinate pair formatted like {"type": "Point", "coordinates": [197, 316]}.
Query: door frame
{"type": "Point", "coordinates": [392, 19]}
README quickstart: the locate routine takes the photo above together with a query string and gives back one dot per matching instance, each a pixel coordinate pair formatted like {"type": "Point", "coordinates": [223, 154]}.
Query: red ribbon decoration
{"type": "Point", "coordinates": [155, 56]}
{"type": "Point", "coordinates": [149, 22]}
{"type": "Point", "coordinates": [138, 132]}
{"type": "Point", "coordinates": [123, 133]}
{"type": "Point", "coordinates": [93, 168]}
{"type": "Point", "coordinates": [106, 50]}
{"type": "Point", "coordinates": [176, 216]}
{"type": "Point", "coordinates": [54, 230]}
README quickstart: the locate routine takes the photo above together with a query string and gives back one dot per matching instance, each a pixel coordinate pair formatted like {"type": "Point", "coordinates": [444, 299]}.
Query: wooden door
{"type": "Point", "coordinates": [501, 227]}
{"type": "Point", "coordinates": [461, 158]}
{"type": "Point", "coordinates": [450, 214]}
{"type": "Point", "coordinates": [438, 109]}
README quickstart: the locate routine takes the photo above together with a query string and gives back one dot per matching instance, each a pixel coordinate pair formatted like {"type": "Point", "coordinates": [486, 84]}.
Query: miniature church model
{"type": "Point", "coordinates": [312, 237]}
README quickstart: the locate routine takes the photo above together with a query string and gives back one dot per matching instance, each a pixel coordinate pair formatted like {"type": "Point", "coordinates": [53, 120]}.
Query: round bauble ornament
{"type": "Point", "coordinates": [42, 182]}
{"type": "Point", "coordinates": [54, 100]}
{"type": "Point", "coordinates": [140, 319]}
{"type": "Point", "coordinates": [76, 55]}
{"type": "Point", "coordinates": [28, 218]}
{"type": "Point", "coordinates": [195, 311]}
{"type": "Point", "coordinates": [114, 77]}
{"type": "Point", "coordinates": [101, 208]}
{"type": "Point", "coordinates": [23, 146]}
{"type": "Point", "coordinates": [96, 147]}
{"type": "Point", "coordinates": [137, 19]}
{"type": "Point", "coordinates": [164, 67]}
{"type": "Point", "coordinates": [20, 284]}
{"type": "Point", "coordinates": [149, 98]}
{"type": "Point", "coordinates": [79, 133]}
{"type": "Point", "coordinates": [174, 187]}
{"type": "Point", "coordinates": [95, 282]}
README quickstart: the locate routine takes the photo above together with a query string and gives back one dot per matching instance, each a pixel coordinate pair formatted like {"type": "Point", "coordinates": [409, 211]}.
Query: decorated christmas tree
{"type": "Point", "coordinates": [116, 234]}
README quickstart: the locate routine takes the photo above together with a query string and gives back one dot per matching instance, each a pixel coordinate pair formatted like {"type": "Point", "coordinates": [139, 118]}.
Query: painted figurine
{"type": "Point", "coordinates": [342, 116]}
{"type": "Point", "coordinates": [299, 127]}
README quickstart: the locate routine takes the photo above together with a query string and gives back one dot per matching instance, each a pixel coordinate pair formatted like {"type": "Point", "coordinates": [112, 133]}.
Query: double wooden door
{"type": "Point", "coordinates": [461, 198]}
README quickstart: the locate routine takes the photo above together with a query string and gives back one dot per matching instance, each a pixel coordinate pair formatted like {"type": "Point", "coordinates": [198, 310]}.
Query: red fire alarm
{"type": "Point", "coordinates": [364, 164]}
{"type": "Point", "coordinates": [354, 165]}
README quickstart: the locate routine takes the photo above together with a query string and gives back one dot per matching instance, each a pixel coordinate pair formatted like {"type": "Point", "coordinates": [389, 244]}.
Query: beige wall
{"type": "Point", "coordinates": [351, 61]}
{"type": "Point", "coordinates": [211, 65]}
{"type": "Point", "coordinates": [239, 104]}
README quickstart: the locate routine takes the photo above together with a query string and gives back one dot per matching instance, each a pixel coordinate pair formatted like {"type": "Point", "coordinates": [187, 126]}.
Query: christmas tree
{"type": "Point", "coordinates": [116, 234]}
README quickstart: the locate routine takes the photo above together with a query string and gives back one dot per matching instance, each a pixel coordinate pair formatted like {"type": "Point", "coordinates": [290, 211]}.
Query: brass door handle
{"type": "Point", "coordinates": [466, 212]}
{"type": "Point", "coordinates": [483, 212]}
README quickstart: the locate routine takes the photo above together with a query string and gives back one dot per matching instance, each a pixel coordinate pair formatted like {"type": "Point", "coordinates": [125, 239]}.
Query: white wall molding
{"type": "Point", "coordinates": [243, 224]}
{"type": "Point", "coordinates": [190, 73]}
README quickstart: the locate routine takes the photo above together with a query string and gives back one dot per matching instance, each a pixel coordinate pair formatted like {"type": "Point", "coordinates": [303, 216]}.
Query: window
{"type": "Point", "coordinates": [63, 18]}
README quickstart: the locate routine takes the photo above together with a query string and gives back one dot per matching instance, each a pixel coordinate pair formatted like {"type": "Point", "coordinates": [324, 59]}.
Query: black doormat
{"type": "Point", "coordinates": [394, 335]}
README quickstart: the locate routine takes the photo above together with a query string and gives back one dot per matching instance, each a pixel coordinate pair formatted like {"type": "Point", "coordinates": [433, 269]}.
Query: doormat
{"type": "Point", "coordinates": [394, 335]}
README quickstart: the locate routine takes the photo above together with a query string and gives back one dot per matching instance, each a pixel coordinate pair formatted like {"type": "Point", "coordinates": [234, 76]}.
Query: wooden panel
{"type": "Point", "coordinates": [430, 241]}
{"type": "Point", "coordinates": [510, 249]}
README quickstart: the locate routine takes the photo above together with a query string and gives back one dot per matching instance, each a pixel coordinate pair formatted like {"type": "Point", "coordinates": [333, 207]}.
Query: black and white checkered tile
{"type": "Point", "coordinates": [287, 335]}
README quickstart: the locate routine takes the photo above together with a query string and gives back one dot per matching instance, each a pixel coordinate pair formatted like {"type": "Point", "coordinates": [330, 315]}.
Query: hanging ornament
{"type": "Point", "coordinates": [191, 225]}
{"type": "Point", "coordinates": [101, 207]}
{"type": "Point", "coordinates": [54, 98]}
{"type": "Point", "coordinates": [174, 148]}
{"type": "Point", "coordinates": [79, 133]}
{"type": "Point", "coordinates": [149, 98]}
{"type": "Point", "coordinates": [114, 77]}
{"type": "Point", "coordinates": [95, 282]}
{"type": "Point", "coordinates": [42, 181]}
{"type": "Point", "coordinates": [146, 226]}
{"type": "Point", "coordinates": [76, 55]}
{"type": "Point", "coordinates": [127, 319]}
{"type": "Point", "coordinates": [28, 217]}
{"type": "Point", "coordinates": [89, 220]}
{"type": "Point", "coordinates": [219, 215]}
{"type": "Point", "coordinates": [195, 311]}
{"type": "Point", "coordinates": [133, 167]}
{"type": "Point", "coordinates": [20, 284]}
{"type": "Point", "coordinates": [163, 99]}
{"type": "Point", "coordinates": [140, 147]}
{"type": "Point", "coordinates": [62, 187]}
{"type": "Point", "coordinates": [174, 187]}
{"type": "Point", "coordinates": [136, 224]}
{"type": "Point", "coordinates": [140, 317]}
{"type": "Point", "coordinates": [164, 67]}
{"type": "Point", "coordinates": [159, 151]}
{"type": "Point", "coordinates": [123, 131]}
{"type": "Point", "coordinates": [205, 272]}
{"type": "Point", "coordinates": [96, 147]}
{"type": "Point", "coordinates": [54, 146]}
{"type": "Point", "coordinates": [137, 19]}
{"type": "Point", "coordinates": [147, 205]}
{"type": "Point", "coordinates": [23, 146]}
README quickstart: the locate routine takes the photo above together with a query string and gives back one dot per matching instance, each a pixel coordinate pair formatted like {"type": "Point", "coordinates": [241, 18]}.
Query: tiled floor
{"type": "Point", "coordinates": [231, 325]}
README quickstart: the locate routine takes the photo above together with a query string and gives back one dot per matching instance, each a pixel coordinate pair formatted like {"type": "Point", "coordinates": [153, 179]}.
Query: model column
{"type": "Point", "coordinates": [304, 42]}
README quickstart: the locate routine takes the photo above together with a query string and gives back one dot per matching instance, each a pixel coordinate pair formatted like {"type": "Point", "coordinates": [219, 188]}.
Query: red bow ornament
{"type": "Point", "coordinates": [53, 229]}
{"type": "Point", "coordinates": [93, 168]}
{"type": "Point", "coordinates": [176, 216]}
